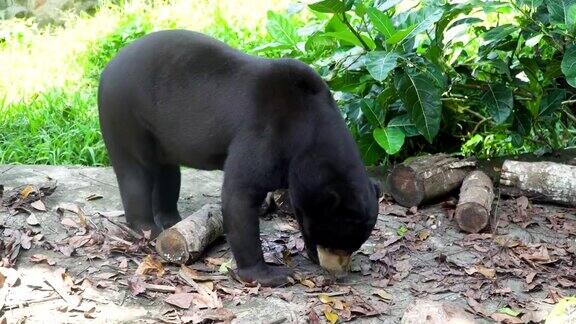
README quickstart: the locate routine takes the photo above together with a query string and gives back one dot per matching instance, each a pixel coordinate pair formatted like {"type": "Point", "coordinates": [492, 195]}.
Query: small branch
{"type": "Point", "coordinates": [569, 115]}
{"type": "Point", "coordinates": [480, 124]}
{"type": "Point", "coordinates": [473, 113]}
{"type": "Point", "coordinates": [330, 294]}
{"type": "Point", "coordinates": [568, 102]}
{"type": "Point", "coordinates": [347, 23]}
{"type": "Point", "coordinates": [30, 302]}
{"type": "Point", "coordinates": [483, 87]}
{"type": "Point", "coordinates": [160, 288]}
{"type": "Point", "coordinates": [123, 227]}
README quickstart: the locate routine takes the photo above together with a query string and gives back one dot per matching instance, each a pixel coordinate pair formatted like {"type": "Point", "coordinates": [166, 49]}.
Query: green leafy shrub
{"type": "Point", "coordinates": [55, 127]}
{"type": "Point", "coordinates": [431, 75]}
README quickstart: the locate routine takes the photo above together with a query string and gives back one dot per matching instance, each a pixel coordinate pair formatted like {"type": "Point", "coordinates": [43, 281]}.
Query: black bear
{"type": "Point", "coordinates": [178, 97]}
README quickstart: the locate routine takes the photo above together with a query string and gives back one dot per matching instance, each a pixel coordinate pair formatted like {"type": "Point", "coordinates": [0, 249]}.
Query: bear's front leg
{"type": "Point", "coordinates": [240, 209]}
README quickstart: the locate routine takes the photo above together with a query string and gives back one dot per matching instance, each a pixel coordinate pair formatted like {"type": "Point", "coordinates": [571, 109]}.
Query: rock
{"type": "Point", "coordinates": [424, 311]}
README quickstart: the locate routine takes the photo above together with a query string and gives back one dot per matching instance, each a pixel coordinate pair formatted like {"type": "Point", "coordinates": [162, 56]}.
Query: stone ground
{"type": "Point", "coordinates": [522, 268]}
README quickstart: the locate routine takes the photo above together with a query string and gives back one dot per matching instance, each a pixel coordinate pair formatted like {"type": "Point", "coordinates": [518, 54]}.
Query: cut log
{"type": "Point", "coordinates": [475, 203]}
{"type": "Point", "coordinates": [427, 177]}
{"type": "Point", "coordinates": [186, 240]}
{"type": "Point", "coordinates": [540, 181]}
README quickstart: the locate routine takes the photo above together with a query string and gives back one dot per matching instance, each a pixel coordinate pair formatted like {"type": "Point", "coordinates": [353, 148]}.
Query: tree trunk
{"type": "Point", "coordinates": [427, 177]}
{"type": "Point", "coordinates": [475, 203]}
{"type": "Point", "coordinates": [185, 241]}
{"type": "Point", "coordinates": [540, 181]}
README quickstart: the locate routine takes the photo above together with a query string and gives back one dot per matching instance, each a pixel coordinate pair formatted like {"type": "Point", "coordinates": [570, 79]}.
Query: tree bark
{"type": "Point", "coordinates": [541, 181]}
{"type": "Point", "coordinates": [475, 203]}
{"type": "Point", "coordinates": [427, 177]}
{"type": "Point", "coordinates": [185, 241]}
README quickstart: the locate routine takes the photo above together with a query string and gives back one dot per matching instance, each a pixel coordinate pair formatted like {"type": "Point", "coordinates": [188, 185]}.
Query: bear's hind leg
{"type": "Point", "coordinates": [136, 183]}
{"type": "Point", "coordinates": [165, 195]}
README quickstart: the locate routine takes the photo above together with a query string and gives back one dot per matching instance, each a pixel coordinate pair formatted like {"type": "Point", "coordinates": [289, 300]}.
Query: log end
{"type": "Point", "coordinates": [471, 217]}
{"type": "Point", "coordinates": [405, 187]}
{"type": "Point", "coordinates": [171, 245]}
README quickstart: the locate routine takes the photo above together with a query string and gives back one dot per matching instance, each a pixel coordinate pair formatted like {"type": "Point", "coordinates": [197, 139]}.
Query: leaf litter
{"type": "Point", "coordinates": [411, 258]}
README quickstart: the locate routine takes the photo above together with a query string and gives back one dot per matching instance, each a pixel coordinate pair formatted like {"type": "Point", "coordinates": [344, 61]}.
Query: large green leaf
{"type": "Point", "coordinates": [421, 97]}
{"type": "Point", "coordinates": [499, 101]}
{"type": "Point", "coordinates": [569, 65]}
{"type": "Point", "coordinates": [390, 139]}
{"type": "Point", "coordinates": [372, 112]}
{"type": "Point", "coordinates": [431, 17]}
{"type": "Point", "coordinates": [387, 97]}
{"type": "Point", "coordinates": [387, 4]}
{"type": "Point", "coordinates": [330, 6]}
{"type": "Point", "coordinates": [400, 36]}
{"type": "Point", "coordinates": [349, 37]}
{"type": "Point", "coordinates": [348, 81]}
{"type": "Point", "coordinates": [497, 34]}
{"type": "Point", "coordinates": [319, 43]}
{"type": "Point", "coordinates": [551, 102]}
{"type": "Point", "coordinates": [449, 16]}
{"type": "Point", "coordinates": [280, 28]}
{"type": "Point", "coordinates": [380, 63]}
{"type": "Point", "coordinates": [381, 22]}
{"type": "Point", "coordinates": [530, 3]}
{"type": "Point", "coordinates": [563, 12]}
{"type": "Point", "coordinates": [370, 150]}
{"type": "Point", "coordinates": [403, 121]}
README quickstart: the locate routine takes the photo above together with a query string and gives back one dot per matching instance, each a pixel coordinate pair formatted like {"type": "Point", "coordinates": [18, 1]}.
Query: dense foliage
{"type": "Point", "coordinates": [483, 77]}
{"type": "Point", "coordinates": [478, 77]}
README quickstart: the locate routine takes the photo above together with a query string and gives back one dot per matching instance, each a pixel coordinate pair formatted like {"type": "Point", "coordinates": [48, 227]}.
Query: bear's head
{"type": "Point", "coordinates": [337, 213]}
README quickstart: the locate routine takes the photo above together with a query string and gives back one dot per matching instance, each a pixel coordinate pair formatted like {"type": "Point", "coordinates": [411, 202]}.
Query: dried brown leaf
{"type": "Point", "coordinates": [477, 307]}
{"type": "Point", "coordinates": [566, 282]}
{"type": "Point", "coordinates": [313, 317]}
{"type": "Point", "coordinates": [505, 318]}
{"type": "Point", "coordinates": [382, 294]}
{"type": "Point", "coordinates": [150, 266]}
{"type": "Point", "coordinates": [136, 285]}
{"type": "Point", "coordinates": [181, 300]}
{"type": "Point", "coordinates": [68, 207]}
{"type": "Point", "coordinates": [38, 205]}
{"type": "Point", "coordinates": [325, 299]}
{"type": "Point", "coordinates": [90, 313]}
{"type": "Point", "coordinates": [68, 222]}
{"type": "Point", "coordinates": [308, 283]}
{"type": "Point", "coordinates": [79, 240]}
{"type": "Point", "coordinates": [424, 234]}
{"type": "Point", "coordinates": [541, 255]}
{"type": "Point", "coordinates": [331, 317]}
{"type": "Point", "coordinates": [26, 191]}
{"type": "Point", "coordinates": [489, 273]}
{"type": "Point", "coordinates": [530, 276]}
{"type": "Point", "coordinates": [25, 241]}
{"type": "Point", "coordinates": [39, 258]}
{"type": "Point", "coordinates": [32, 220]}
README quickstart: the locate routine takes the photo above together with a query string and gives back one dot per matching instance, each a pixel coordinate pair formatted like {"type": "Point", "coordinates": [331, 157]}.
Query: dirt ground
{"type": "Point", "coordinates": [68, 259]}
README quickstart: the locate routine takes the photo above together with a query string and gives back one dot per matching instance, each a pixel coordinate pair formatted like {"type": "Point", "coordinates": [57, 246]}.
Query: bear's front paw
{"type": "Point", "coordinates": [265, 275]}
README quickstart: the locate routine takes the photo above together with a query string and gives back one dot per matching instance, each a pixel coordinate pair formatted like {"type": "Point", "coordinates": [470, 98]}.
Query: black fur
{"type": "Point", "coordinates": [178, 97]}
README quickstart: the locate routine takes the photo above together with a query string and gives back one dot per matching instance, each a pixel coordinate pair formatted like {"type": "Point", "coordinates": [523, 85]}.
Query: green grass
{"type": "Point", "coordinates": [48, 112]}
{"type": "Point", "coordinates": [55, 127]}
